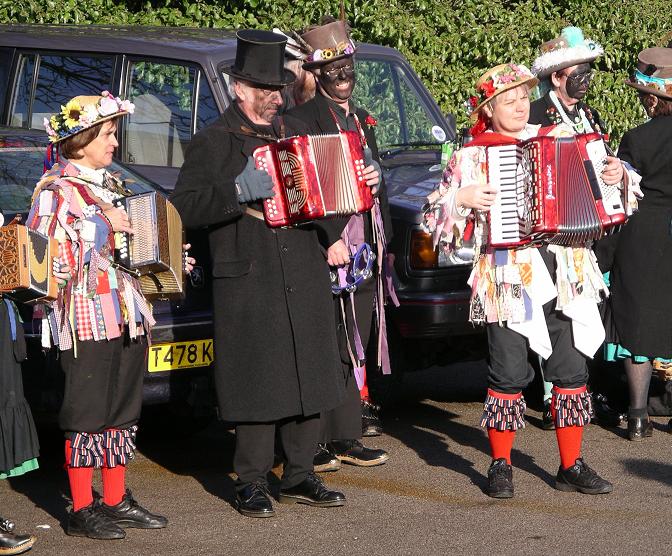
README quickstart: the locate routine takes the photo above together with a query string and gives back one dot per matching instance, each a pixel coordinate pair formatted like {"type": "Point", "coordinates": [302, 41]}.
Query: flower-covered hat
{"type": "Point", "coordinates": [327, 43]}
{"type": "Point", "coordinates": [499, 79]}
{"type": "Point", "coordinates": [571, 48]}
{"type": "Point", "coordinates": [82, 112]}
{"type": "Point", "coordinates": [654, 72]}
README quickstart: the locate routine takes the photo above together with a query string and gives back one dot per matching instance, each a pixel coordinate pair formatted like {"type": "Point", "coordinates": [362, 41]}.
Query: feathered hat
{"type": "Point", "coordinates": [571, 48]}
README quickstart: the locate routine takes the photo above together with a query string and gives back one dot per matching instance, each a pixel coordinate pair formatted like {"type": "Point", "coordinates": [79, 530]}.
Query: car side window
{"type": "Point", "coordinates": [387, 93]}
{"type": "Point", "coordinates": [164, 94]}
{"type": "Point", "coordinates": [59, 78]}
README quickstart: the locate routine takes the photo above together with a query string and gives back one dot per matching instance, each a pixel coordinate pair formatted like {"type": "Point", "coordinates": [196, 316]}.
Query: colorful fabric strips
{"type": "Point", "coordinates": [572, 406]}
{"type": "Point", "coordinates": [109, 448]}
{"type": "Point", "coordinates": [504, 411]}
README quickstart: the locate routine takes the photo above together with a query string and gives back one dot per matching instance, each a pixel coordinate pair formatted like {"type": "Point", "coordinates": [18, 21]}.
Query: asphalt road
{"type": "Point", "coordinates": [427, 499]}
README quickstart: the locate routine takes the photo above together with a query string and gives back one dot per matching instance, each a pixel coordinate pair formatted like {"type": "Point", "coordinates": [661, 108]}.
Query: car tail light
{"type": "Point", "coordinates": [423, 254]}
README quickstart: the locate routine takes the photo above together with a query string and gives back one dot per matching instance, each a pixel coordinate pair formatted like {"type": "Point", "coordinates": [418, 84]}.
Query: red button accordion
{"type": "Point", "coordinates": [314, 176]}
{"type": "Point", "coordinates": [551, 189]}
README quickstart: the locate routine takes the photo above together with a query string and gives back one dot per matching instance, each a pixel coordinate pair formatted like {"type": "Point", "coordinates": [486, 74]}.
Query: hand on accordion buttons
{"type": "Point", "coordinates": [613, 171]}
{"type": "Point", "coordinates": [118, 219]}
{"type": "Point", "coordinates": [252, 184]}
{"type": "Point", "coordinates": [479, 197]}
{"type": "Point", "coordinates": [189, 262]}
{"type": "Point", "coordinates": [372, 172]}
{"type": "Point", "coordinates": [62, 272]}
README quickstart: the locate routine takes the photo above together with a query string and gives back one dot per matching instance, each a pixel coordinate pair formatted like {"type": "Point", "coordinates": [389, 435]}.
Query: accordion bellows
{"type": "Point", "coordinates": [314, 176]}
{"type": "Point", "coordinates": [550, 189]}
{"type": "Point", "coordinates": [154, 251]}
{"type": "Point", "coordinates": [26, 264]}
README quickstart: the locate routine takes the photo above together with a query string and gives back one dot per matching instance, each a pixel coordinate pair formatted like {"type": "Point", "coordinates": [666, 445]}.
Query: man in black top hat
{"type": "Point", "coordinates": [329, 57]}
{"type": "Point", "coordinates": [277, 362]}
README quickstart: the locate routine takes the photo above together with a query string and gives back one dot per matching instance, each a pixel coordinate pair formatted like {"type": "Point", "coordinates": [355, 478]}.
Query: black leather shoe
{"type": "Point", "coordinates": [371, 425]}
{"type": "Point", "coordinates": [603, 413]}
{"type": "Point", "coordinates": [581, 478]}
{"type": "Point", "coordinates": [11, 542]}
{"type": "Point", "coordinates": [254, 500]}
{"type": "Point", "coordinates": [500, 479]}
{"type": "Point", "coordinates": [669, 426]}
{"type": "Point", "coordinates": [547, 422]}
{"type": "Point", "coordinates": [324, 460]}
{"type": "Point", "coordinates": [92, 523]}
{"type": "Point", "coordinates": [639, 428]}
{"type": "Point", "coordinates": [131, 515]}
{"type": "Point", "coordinates": [354, 453]}
{"type": "Point", "coordinates": [312, 491]}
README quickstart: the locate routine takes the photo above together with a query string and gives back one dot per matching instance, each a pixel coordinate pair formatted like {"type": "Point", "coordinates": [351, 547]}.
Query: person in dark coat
{"type": "Point", "coordinates": [331, 59]}
{"type": "Point", "coordinates": [565, 73]}
{"type": "Point", "coordinates": [276, 352]}
{"type": "Point", "coordinates": [641, 299]}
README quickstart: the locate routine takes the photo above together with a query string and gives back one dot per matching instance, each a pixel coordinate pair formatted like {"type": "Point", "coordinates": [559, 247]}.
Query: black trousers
{"type": "Point", "coordinates": [103, 384]}
{"type": "Point", "coordinates": [509, 370]}
{"type": "Point", "coordinates": [345, 421]}
{"type": "Point", "coordinates": [255, 443]}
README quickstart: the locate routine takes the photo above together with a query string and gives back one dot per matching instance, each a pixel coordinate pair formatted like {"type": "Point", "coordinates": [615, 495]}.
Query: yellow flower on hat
{"type": "Point", "coordinates": [71, 113]}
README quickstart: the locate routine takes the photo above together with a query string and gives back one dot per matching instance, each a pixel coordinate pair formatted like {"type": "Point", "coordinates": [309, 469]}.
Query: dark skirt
{"type": "Point", "coordinates": [18, 437]}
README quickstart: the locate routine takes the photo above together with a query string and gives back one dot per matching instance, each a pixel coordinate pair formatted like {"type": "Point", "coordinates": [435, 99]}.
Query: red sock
{"type": "Point", "coordinates": [364, 392]}
{"type": "Point", "coordinates": [569, 441]}
{"type": "Point", "coordinates": [501, 443]}
{"type": "Point", "coordinates": [80, 479]}
{"type": "Point", "coordinates": [114, 484]}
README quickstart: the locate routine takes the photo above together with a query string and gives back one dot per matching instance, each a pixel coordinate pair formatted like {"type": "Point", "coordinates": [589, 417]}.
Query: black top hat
{"type": "Point", "coordinates": [260, 59]}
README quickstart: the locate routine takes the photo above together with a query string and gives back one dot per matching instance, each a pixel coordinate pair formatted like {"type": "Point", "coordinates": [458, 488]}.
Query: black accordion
{"type": "Point", "coordinates": [154, 251]}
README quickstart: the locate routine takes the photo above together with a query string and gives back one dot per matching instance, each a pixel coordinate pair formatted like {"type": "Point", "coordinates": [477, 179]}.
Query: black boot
{"type": "Point", "coordinates": [324, 460]}
{"type": "Point", "coordinates": [354, 453]}
{"type": "Point", "coordinates": [371, 425]}
{"type": "Point", "coordinates": [547, 422]}
{"type": "Point", "coordinates": [254, 500]}
{"type": "Point", "coordinates": [12, 543]}
{"type": "Point", "coordinates": [581, 478]}
{"type": "Point", "coordinates": [639, 428]}
{"type": "Point", "coordinates": [500, 479]}
{"type": "Point", "coordinates": [129, 514]}
{"type": "Point", "coordinates": [92, 523]}
{"type": "Point", "coordinates": [312, 491]}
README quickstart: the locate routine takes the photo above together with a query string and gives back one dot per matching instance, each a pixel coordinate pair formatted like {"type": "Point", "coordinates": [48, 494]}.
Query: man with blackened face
{"type": "Point", "coordinates": [331, 59]}
{"type": "Point", "coordinates": [565, 73]}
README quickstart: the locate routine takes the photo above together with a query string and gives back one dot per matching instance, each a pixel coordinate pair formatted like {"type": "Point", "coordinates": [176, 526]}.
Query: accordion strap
{"type": "Point", "coordinates": [249, 132]}
{"type": "Point", "coordinates": [254, 213]}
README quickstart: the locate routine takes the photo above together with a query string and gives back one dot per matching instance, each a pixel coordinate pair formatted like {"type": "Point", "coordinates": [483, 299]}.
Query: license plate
{"type": "Point", "coordinates": [180, 355]}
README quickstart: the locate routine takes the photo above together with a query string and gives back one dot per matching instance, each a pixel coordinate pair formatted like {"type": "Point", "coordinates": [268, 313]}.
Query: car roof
{"type": "Point", "coordinates": [165, 42]}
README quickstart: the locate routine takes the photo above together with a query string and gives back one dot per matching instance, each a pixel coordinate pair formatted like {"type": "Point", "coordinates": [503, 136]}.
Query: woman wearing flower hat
{"type": "Point", "coordinates": [100, 320]}
{"type": "Point", "coordinates": [514, 291]}
{"type": "Point", "coordinates": [641, 299]}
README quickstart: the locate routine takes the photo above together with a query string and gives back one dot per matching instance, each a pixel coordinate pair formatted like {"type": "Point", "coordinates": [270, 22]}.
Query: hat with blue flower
{"type": "Point", "coordinates": [571, 48]}
{"type": "Point", "coordinates": [84, 111]}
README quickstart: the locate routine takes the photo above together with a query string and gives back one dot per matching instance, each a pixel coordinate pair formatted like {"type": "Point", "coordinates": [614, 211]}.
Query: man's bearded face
{"type": "Point", "coordinates": [338, 78]}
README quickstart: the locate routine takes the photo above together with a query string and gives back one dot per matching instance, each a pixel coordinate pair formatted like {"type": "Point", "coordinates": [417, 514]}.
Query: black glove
{"type": "Point", "coordinates": [369, 161]}
{"type": "Point", "coordinates": [253, 184]}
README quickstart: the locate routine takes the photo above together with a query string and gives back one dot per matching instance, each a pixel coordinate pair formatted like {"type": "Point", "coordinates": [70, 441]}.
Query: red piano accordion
{"type": "Point", "coordinates": [154, 251]}
{"type": "Point", "coordinates": [27, 264]}
{"type": "Point", "coordinates": [551, 189]}
{"type": "Point", "coordinates": [314, 176]}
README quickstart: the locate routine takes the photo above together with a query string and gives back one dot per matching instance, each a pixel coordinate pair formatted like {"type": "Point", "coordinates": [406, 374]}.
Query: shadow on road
{"type": "Point", "coordinates": [649, 470]}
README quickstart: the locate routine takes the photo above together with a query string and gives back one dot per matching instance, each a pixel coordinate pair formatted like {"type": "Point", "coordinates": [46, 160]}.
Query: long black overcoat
{"type": "Point", "coordinates": [641, 294]}
{"type": "Point", "coordinates": [276, 352]}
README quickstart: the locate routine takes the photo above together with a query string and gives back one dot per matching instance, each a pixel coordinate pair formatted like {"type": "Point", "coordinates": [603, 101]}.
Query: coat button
{"type": "Point", "coordinates": [290, 289]}
{"type": "Point", "coordinates": [284, 248]}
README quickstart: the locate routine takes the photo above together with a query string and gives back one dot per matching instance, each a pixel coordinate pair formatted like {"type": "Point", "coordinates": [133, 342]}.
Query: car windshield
{"type": "Point", "coordinates": [21, 168]}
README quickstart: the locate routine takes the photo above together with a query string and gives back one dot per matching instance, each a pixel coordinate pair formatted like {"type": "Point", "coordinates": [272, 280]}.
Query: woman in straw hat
{"type": "Point", "coordinates": [514, 291]}
{"type": "Point", "coordinates": [100, 320]}
{"type": "Point", "coordinates": [641, 299]}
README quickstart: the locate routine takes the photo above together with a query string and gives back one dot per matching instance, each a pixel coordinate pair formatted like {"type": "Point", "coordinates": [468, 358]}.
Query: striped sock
{"type": "Point", "coordinates": [80, 479]}
{"type": "Point", "coordinates": [501, 443]}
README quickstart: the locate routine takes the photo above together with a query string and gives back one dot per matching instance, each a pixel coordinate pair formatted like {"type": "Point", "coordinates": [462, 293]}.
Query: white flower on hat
{"type": "Point", "coordinates": [107, 106]}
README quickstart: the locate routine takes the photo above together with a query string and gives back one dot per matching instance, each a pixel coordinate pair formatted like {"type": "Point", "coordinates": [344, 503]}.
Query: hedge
{"type": "Point", "coordinates": [448, 43]}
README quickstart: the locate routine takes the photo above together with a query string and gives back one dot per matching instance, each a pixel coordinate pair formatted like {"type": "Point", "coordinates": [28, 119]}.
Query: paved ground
{"type": "Point", "coordinates": [427, 500]}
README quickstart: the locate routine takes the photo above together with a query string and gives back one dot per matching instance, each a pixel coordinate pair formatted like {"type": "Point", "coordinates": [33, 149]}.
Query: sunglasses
{"type": "Point", "coordinates": [581, 78]}
{"type": "Point", "coordinates": [348, 70]}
